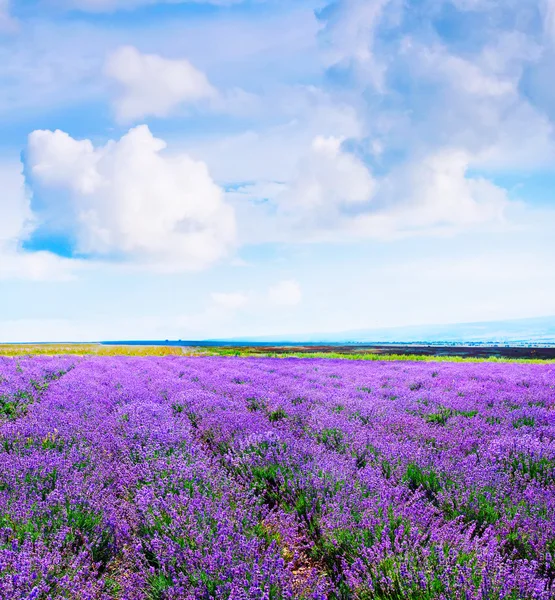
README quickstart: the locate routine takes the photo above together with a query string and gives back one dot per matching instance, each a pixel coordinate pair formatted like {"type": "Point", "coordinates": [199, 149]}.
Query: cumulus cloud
{"type": "Point", "coordinates": [460, 74]}
{"type": "Point", "coordinates": [434, 193]}
{"type": "Point", "coordinates": [130, 201]}
{"type": "Point", "coordinates": [349, 37]}
{"type": "Point", "coordinates": [285, 293]}
{"type": "Point", "coordinates": [153, 85]}
{"type": "Point", "coordinates": [447, 108]}
{"type": "Point", "coordinates": [415, 163]}
{"type": "Point", "coordinates": [468, 94]}
{"type": "Point", "coordinates": [328, 182]}
{"type": "Point", "coordinates": [16, 224]}
{"type": "Point", "coordinates": [335, 197]}
{"type": "Point", "coordinates": [14, 204]}
{"type": "Point", "coordinates": [331, 176]}
{"type": "Point", "coordinates": [471, 101]}
{"type": "Point", "coordinates": [328, 187]}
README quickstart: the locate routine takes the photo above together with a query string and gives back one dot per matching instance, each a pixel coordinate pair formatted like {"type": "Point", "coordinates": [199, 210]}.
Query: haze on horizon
{"type": "Point", "coordinates": [241, 168]}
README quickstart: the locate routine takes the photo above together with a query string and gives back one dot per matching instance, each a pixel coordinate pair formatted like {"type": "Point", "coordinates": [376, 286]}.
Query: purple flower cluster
{"type": "Point", "coordinates": [269, 479]}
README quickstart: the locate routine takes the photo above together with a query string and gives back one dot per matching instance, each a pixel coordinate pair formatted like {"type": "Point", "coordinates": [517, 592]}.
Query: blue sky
{"type": "Point", "coordinates": [191, 169]}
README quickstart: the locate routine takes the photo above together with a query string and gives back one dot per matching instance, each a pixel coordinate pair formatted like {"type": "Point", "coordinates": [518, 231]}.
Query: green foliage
{"type": "Point", "coordinates": [86, 529]}
{"type": "Point", "coordinates": [341, 544]}
{"type": "Point", "coordinates": [15, 405]}
{"type": "Point", "coordinates": [524, 422]}
{"type": "Point", "coordinates": [309, 508]}
{"type": "Point", "coordinates": [388, 575]}
{"type": "Point", "coordinates": [112, 587]}
{"type": "Point", "coordinates": [53, 442]}
{"type": "Point", "coordinates": [267, 482]}
{"type": "Point", "coordinates": [417, 478]}
{"type": "Point", "coordinates": [255, 404]}
{"type": "Point", "coordinates": [517, 545]}
{"type": "Point", "coordinates": [269, 536]}
{"type": "Point", "coordinates": [442, 416]}
{"type": "Point", "coordinates": [467, 413]}
{"type": "Point", "coordinates": [387, 469]}
{"type": "Point", "coordinates": [363, 455]}
{"type": "Point", "coordinates": [439, 418]}
{"type": "Point", "coordinates": [277, 415]}
{"type": "Point", "coordinates": [39, 386]}
{"type": "Point", "coordinates": [541, 468]}
{"type": "Point", "coordinates": [332, 438]}
{"type": "Point", "coordinates": [8, 407]}
{"type": "Point", "coordinates": [157, 585]}
{"type": "Point", "coordinates": [88, 526]}
{"type": "Point", "coordinates": [481, 509]}
{"type": "Point", "coordinates": [358, 416]}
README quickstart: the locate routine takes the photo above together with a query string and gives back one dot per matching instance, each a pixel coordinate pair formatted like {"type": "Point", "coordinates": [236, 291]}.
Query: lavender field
{"type": "Point", "coordinates": [258, 478]}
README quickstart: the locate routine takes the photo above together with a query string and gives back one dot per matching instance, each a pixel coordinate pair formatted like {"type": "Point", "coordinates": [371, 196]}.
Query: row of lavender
{"type": "Point", "coordinates": [193, 478]}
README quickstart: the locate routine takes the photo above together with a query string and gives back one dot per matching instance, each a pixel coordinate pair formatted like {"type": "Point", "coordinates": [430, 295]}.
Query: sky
{"type": "Point", "coordinates": [195, 169]}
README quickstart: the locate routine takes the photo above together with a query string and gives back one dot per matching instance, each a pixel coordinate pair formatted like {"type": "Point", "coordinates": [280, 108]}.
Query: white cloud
{"type": "Point", "coordinates": [349, 38]}
{"type": "Point", "coordinates": [466, 95]}
{"type": "Point", "coordinates": [477, 105]}
{"type": "Point", "coordinates": [15, 207]}
{"type": "Point", "coordinates": [230, 300]}
{"type": "Point", "coordinates": [16, 223]}
{"type": "Point", "coordinates": [433, 194]}
{"type": "Point", "coordinates": [58, 63]}
{"type": "Point", "coordinates": [524, 142]}
{"type": "Point", "coordinates": [152, 85]}
{"type": "Point", "coordinates": [272, 153]}
{"type": "Point", "coordinates": [285, 293]}
{"type": "Point", "coordinates": [480, 107]}
{"type": "Point", "coordinates": [335, 198]}
{"type": "Point", "coordinates": [468, 77]}
{"type": "Point", "coordinates": [327, 180]}
{"type": "Point", "coordinates": [129, 200]}
{"type": "Point", "coordinates": [327, 187]}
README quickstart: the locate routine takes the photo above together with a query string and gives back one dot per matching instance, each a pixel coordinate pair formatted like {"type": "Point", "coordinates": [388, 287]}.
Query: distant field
{"type": "Point", "coordinates": [89, 349]}
{"type": "Point", "coordinates": [409, 352]}
{"type": "Point", "coordinates": [230, 478]}
{"type": "Point", "coordinates": [355, 352]}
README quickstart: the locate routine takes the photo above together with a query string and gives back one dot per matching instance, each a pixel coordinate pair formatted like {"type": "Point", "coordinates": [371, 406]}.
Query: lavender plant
{"type": "Point", "coordinates": [269, 479]}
